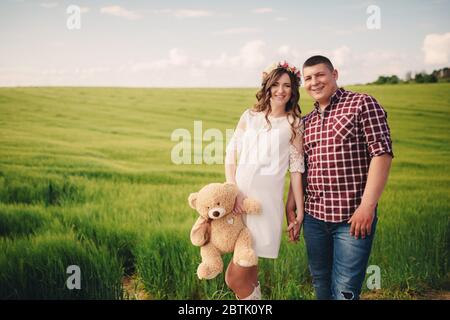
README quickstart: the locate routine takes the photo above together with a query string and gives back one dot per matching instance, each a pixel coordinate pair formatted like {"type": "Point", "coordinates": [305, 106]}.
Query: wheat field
{"type": "Point", "coordinates": [87, 179]}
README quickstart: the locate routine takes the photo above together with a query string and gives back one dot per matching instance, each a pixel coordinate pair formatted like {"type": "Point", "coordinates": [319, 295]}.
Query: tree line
{"type": "Point", "coordinates": [441, 75]}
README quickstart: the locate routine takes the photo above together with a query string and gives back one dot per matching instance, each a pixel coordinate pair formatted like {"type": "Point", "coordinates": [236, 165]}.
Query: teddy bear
{"type": "Point", "coordinates": [218, 230]}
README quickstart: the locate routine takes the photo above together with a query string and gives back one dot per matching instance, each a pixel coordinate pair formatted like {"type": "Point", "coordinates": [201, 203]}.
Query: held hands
{"type": "Point", "coordinates": [294, 220]}
{"type": "Point", "coordinates": [294, 225]}
{"type": "Point", "coordinates": [361, 221]}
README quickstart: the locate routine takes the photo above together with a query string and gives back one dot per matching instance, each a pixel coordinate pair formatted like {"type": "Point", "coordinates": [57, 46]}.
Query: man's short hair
{"type": "Point", "coordinates": [315, 60]}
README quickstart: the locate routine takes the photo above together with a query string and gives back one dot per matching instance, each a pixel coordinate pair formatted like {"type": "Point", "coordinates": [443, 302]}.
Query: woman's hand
{"type": "Point", "coordinates": [294, 225]}
{"type": "Point", "coordinates": [239, 203]}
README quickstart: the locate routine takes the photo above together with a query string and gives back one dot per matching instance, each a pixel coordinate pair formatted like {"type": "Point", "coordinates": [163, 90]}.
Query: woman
{"type": "Point", "coordinates": [266, 143]}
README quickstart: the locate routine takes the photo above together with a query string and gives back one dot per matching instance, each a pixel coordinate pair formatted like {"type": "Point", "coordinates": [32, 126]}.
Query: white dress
{"type": "Point", "coordinates": [265, 154]}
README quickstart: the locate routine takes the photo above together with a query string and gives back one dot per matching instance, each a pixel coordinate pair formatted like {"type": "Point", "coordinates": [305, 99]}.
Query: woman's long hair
{"type": "Point", "coordinates": [292, 107]}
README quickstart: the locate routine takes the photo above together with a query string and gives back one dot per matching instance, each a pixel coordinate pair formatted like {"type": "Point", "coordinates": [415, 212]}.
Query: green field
{"type": "Point", "coordinates": [86, 179]}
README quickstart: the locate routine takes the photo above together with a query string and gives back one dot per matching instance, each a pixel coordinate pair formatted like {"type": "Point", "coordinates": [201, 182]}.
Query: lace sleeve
{"type": "Point", "coordinates": [296, 158]}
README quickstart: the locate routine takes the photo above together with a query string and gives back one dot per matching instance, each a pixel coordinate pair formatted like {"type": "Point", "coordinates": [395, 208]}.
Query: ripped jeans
{"type": "Point", "coordinates": [337, 261]}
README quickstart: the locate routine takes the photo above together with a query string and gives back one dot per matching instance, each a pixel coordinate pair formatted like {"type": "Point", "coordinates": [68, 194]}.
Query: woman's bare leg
{"type": "Point", "coordinates": [242, 280]}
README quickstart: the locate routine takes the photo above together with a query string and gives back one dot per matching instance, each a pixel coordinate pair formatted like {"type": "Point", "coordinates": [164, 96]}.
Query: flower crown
{"type": "Point", "coordinates": [285, 65]}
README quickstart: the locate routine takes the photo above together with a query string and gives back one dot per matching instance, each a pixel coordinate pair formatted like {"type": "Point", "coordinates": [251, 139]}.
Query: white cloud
{"type": "Point", "coordinates": [363, 67]}
{"type": "Point", "coordinates": [281, 19]}
{"type": "Point", "coordinates": [284, 50]}
{"type": "Point", "coordinates": [184, 13]}
{"type": "Point", "coordinates": [383, 62]}
{"type": "Point", "coordinates": [292, 55]}
{"type": "Point", "coordinates": [120, 12]}
{"type": "Point", "coordinates": [176, 58]}
{"type": "Point", "coordinates": [262, 10]}
{"type": "Point", "coordinates": [222, 61]}
{"type": "Point", "coordinates": [237, 31]}
{"type": "Point", "coordinates": [214, 71]}
{"type": "Point", "coordinates": [341, 56]}
{"type": "Point", "coordinates": [75, 71]}
{"type": "Point", "coordinates": [436, 48]}
{"type": "Point", "coordinates": [251, 54]}
{"type": "Point", "coordinates": [350, 31]}
{"type": "Point", "coordinates": [239, 67]}
{"type": "Point", "coordinates": [49, 5]}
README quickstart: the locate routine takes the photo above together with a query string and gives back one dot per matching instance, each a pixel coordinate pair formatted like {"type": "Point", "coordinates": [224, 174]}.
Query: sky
{"type": "Point", "coordinates": [214, 43]}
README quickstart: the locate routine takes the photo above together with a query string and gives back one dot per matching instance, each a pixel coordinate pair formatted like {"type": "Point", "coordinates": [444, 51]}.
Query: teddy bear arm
{"type": "Point", "coordinates": [199, 232]}
{"type": "Point", "coordinates": [251, 206]}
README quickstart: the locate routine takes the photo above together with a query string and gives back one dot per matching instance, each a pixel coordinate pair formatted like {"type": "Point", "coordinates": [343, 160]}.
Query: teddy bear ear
{"type": "Point", "coordinates": [193, 200]}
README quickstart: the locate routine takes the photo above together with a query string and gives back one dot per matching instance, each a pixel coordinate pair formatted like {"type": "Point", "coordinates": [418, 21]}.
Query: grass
{"type": "Point", "coordinates": [86, 178]}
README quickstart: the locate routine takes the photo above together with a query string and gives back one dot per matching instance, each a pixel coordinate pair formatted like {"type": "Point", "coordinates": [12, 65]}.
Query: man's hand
{"type": "Point", "coordinates": [376, 180]}
{"type": "Point", "coordinates": [362, 221]}
{"type": "Point", "coordinates": [294, 226]}
{"type": "Point", "coordinates": [294, 220]}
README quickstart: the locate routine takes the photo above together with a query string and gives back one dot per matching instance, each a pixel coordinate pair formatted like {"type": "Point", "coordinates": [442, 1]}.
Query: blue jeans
{"type": "Point", "coordinates": [337, 261]}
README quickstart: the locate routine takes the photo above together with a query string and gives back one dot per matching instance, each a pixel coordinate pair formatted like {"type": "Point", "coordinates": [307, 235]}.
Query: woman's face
{"type": "Point", "coordinates": [281, 91]}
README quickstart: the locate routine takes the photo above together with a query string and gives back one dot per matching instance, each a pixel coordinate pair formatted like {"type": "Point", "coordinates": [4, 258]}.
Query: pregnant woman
{"type": "Point", "coordinates": [266, 144]}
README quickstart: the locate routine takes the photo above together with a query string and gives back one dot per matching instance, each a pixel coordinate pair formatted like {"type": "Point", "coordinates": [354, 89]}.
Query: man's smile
{"type": "Point", "coordinates": [317, 90]}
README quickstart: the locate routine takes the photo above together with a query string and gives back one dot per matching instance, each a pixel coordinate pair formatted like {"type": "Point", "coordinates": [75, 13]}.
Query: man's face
{"type": "Point", "coordinates": [320, 82]}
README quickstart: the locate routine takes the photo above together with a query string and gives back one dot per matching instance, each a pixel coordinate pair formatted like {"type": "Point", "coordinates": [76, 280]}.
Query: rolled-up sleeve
{"type": "Point", "coordinates": [375, 128]}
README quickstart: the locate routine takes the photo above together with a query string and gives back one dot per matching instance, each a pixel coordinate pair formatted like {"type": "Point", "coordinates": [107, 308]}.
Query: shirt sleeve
{"type": "Point", "coordinates": [296, 158]}
{"type": "Point", "coordinates": [375, 128]}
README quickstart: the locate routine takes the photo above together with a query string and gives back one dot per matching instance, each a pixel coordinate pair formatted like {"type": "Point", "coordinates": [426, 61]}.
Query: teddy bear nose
{"type": "Point", "coordinates": [216, 213]}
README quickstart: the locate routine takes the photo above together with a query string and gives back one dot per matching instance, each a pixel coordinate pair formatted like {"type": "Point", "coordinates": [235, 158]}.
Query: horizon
{"type": "Point", "coordinates": [209, 88]}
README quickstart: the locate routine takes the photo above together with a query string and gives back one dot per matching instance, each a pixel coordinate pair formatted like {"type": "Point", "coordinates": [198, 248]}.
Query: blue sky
{"type": "Point", "coordinates": [214, 43]}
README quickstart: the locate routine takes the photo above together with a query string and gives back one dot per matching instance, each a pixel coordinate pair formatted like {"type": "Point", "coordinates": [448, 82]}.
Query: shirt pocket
{"type": "Point", "coordinates": [344, 127]}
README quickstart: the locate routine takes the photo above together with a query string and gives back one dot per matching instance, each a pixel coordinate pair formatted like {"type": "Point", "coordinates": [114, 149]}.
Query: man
{"type": "Point", "coordinates": [348, 151]}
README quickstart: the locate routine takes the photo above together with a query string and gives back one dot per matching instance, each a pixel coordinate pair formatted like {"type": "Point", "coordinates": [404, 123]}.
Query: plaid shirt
{"type": "Point", "coordinates": [339, 144]}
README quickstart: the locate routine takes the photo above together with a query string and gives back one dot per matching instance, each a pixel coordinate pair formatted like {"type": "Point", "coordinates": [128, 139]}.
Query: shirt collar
{"type": "Point", "coordinates": [334, 98]}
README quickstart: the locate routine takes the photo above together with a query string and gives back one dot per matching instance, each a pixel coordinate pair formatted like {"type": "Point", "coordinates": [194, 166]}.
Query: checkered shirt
{"type": "Point", "coordinates": [339, 144]}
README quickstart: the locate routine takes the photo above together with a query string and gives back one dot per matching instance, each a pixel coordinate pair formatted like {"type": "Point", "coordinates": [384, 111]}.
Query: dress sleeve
{"type": "Point", "coordinates": [296, 156]}
{"type": "Point", "coordinates": [235, 145]}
